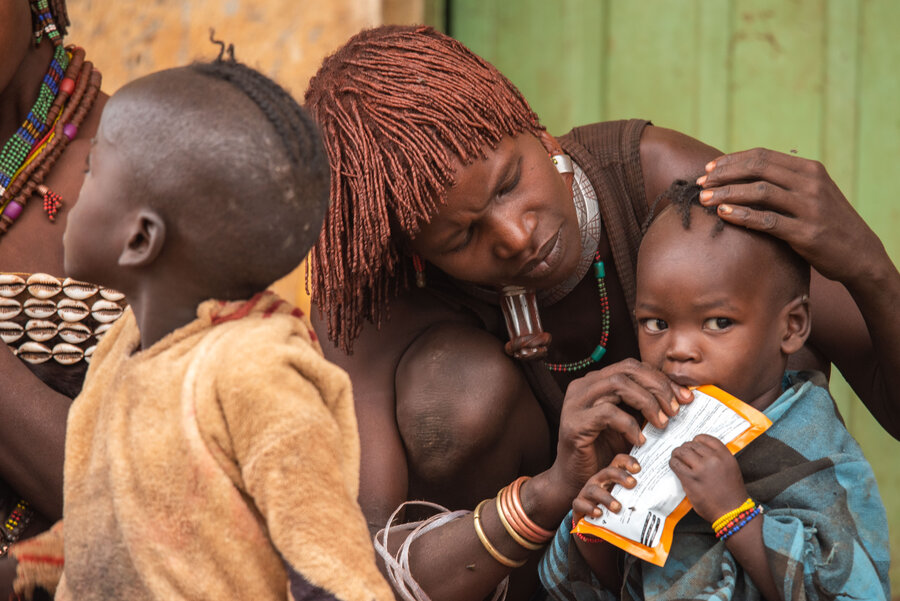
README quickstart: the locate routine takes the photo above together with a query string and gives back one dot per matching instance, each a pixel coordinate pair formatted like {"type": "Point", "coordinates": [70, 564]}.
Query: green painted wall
{"type": "Point", "coordinates": [821, 77]}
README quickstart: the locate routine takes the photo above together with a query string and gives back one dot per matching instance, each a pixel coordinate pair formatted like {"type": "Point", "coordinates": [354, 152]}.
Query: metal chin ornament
{"type": "Point", "coordinates": [520, 310]}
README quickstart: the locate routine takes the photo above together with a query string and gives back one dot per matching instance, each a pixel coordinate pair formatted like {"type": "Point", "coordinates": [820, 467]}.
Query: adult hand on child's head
{"type": "Point", "coordinates": [595, 426]}
{"type": "Point", "coordinates": [795, 200]}
{"type": "Point", "coordinates": [596, 491]}
{"type": "Point", "coordinates": [710, 476]}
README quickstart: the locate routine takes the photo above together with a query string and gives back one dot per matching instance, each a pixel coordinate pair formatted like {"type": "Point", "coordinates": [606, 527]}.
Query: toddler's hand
{"type": "Point", "coordinates": [710, 476]}
{"type": "Point", "coordinates": [596, 489]}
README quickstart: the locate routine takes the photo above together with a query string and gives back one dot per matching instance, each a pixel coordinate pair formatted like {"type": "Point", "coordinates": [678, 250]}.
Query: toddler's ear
{"type": "Point", "coordinates": [797, 324]}
{"type": "Point", "coordinates": [145, 239]}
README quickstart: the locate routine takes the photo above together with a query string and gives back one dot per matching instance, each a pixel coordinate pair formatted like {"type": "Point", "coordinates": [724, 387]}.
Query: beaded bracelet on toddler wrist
{"type": "Point", "coordinates": [747, 505]}
{"type": "Point", "coordinates": [738, 522]}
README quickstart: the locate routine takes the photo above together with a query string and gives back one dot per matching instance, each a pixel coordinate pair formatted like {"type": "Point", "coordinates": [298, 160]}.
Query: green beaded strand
{"type": "Point", "coordinates": [600, 349]}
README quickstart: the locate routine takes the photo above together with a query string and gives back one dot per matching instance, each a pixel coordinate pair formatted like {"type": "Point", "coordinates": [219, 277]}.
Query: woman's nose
{"type": "Point", "coordinates": [514, 234]}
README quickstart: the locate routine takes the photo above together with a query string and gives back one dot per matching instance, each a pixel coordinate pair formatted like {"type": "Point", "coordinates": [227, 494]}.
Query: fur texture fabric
{"type": "Point", "coordinates": [222, 462]}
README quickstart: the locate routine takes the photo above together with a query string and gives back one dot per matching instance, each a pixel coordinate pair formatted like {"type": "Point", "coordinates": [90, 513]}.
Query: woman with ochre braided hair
{"type": "Point", "coordinates": [441, 171]}
{"type": "Point", "coordinates": [50, 103]}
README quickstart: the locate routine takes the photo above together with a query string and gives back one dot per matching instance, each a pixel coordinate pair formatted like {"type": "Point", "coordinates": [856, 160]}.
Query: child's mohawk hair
{"type": "Point", "coordinates": [682, 195]}
{"type": "Point", "coordinates": [396, 105]}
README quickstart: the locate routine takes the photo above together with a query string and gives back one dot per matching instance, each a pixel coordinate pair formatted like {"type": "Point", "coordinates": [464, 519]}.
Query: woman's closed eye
{"type": "Point", "coordinates": [511, 182]}
{"type": "Point", "coordinates": [463, 241]}
{"type": "Point", "coordinates": [718, 323]}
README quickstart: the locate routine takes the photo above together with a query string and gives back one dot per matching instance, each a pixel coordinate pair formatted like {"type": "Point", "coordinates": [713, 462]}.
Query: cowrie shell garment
{"type": "Point", "coordinates": [44, 318]}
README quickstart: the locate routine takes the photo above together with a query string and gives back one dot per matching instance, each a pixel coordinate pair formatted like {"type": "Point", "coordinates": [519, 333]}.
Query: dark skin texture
{"type": "Point", "coordinates": [34, 244]}
{"type": "Point", "coordinates": [855, 286]}
{"type": "Point", "coordinates": [401, 461]}
{"type": "Point", "coordinates": [707, 317]}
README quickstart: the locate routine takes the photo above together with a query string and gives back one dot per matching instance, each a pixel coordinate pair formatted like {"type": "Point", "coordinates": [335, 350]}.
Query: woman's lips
{"type": "Point", "coordinates": [544, 262]}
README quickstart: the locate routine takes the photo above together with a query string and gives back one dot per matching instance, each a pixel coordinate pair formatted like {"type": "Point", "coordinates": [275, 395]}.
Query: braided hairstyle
{"type": "Point", "coordinates": [684, 197]}
{"type": "Point", "coordinates": [396, 105]}
{"type": "Point", "coordinates": [295, 127]}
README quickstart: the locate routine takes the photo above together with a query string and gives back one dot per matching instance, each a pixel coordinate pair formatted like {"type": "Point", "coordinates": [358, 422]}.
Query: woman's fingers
{"type": "Point", "coordinates": [637, 385]}
{"type": "Point", "coordinates": [609, 416]}
{"type": "Point", "coordinates": [771, 222]}
{"type": "Point", "coordinates": [783, 170]}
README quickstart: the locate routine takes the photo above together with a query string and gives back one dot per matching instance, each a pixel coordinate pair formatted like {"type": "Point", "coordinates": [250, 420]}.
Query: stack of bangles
{"type": "Point", "coordinates": [518, 525]}
{"type": "Point", "coordinates": [735, 519]}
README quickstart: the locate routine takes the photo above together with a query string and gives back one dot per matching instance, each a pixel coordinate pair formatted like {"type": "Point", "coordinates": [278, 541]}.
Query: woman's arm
{"type": "Point", "coordinates": [855, 287]}
{"type": "Point", "coordinates": [446, 416]}
{"type": "Point", "coordinates": [32, 436]}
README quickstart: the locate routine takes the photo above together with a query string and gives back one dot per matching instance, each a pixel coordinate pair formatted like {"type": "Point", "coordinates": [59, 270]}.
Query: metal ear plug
{"type": "Point", "coordinates": [563, 163]}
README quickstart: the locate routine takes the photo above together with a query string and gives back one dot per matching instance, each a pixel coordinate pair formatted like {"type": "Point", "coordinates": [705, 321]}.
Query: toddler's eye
{"type": "Point", "coordinates": [655, 325]}
{"type": "Point", "coordinates": [717, 323]}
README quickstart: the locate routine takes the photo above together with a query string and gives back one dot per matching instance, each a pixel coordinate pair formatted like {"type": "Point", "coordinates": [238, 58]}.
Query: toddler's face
{"type": "Point", "coordinates": [706, 312]}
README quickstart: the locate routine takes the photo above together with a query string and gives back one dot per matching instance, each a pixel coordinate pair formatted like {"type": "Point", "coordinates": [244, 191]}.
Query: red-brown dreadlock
{"type": "Point", "coordinates": [395, 104]}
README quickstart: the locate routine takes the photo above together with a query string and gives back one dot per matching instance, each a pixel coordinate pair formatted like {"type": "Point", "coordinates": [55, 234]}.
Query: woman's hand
{"type": "Point", "coordinates": [794, 199]}
{"type": "Point", "coordinates": [710, 476]}
{"type": "Point", "coordinates": [598, 420]}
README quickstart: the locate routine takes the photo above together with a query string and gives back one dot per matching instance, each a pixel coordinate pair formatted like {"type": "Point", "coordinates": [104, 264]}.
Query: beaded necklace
{"type": "Point", "coordinates": [29, 155]}
{"type": "Point", "coordinates": [600, 349]}
{"type": "Point", "coordinates": [20, 145]}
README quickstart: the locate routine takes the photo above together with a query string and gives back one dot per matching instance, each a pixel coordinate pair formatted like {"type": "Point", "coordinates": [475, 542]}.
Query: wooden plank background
{"type": "Point", "coordinates": [821, 77]}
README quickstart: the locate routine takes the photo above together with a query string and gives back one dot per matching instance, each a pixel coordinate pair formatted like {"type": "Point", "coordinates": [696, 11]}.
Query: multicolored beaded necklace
{"type": "Point", "coordinates": [67, 93]}
{"type": "Point", "coordinates": [600, 350]}
{"type": "Point", "coordinates": [20, 145]}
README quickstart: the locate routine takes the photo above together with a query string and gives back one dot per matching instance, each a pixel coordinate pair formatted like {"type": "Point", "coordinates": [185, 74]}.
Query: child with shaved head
{"type": "Point", "coordinates": [213, 453]}
{"type": "Point", "coordinates": [796, 514]}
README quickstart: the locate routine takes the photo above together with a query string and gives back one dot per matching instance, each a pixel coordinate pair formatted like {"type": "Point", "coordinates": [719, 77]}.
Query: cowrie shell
{"type": "Point", "coordinates": [67, 354]}
{"type": "Point", "coordinates": [100, 330]}
{"type": "Point", "coordinates": [74, 333]}
{"type": "Point", "coordinates": [11, 285]}
{"type": "Point", "coordinates": [10, 331]}
{"type": "Point", "coordinates": [111, 295]}
{"type": "Point", "coordinates": [36, 308]}
{"type": "Point", "coordinates": [9, 308]}
{"type": "Point", "coordinates": [89, 352]}
{"type": "Point", "coordinates": [34, 352]}
{"type": "Point", "coordinates": [70, 309]}
{"type": "Point", "coordinates": [79, 290]}
{"type": "Point", "coordinates": [106, 311]}
{"type": "Point", "coordinates": [40, 330]}
{"type": "Point", "coordinates": [42, 285]}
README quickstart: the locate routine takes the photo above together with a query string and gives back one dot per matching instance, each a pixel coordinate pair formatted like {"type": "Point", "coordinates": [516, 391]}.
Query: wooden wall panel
{"type": "Point", "coordinates": [285, 39]}
{"type": "Point", "coordinates": [816, 76]}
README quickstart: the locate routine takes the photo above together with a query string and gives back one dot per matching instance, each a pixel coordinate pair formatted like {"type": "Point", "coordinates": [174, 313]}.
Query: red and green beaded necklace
{"type": "Point", "coordinates": [600, 349]}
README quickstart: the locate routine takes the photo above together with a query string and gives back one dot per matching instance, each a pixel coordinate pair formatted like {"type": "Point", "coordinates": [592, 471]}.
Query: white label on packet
{"type": "Point", "coordinates": [658, 491]}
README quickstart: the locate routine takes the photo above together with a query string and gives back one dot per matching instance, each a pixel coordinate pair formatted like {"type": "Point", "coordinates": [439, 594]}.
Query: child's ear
{"type": "Point", "coordinates": [797, 322]}
{"type": "Point", "coordinates": [145, 240]}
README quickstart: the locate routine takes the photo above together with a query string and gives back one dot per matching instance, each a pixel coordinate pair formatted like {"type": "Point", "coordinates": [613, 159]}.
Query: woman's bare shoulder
{"type": "Point", "coordinates": [667, 155]}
